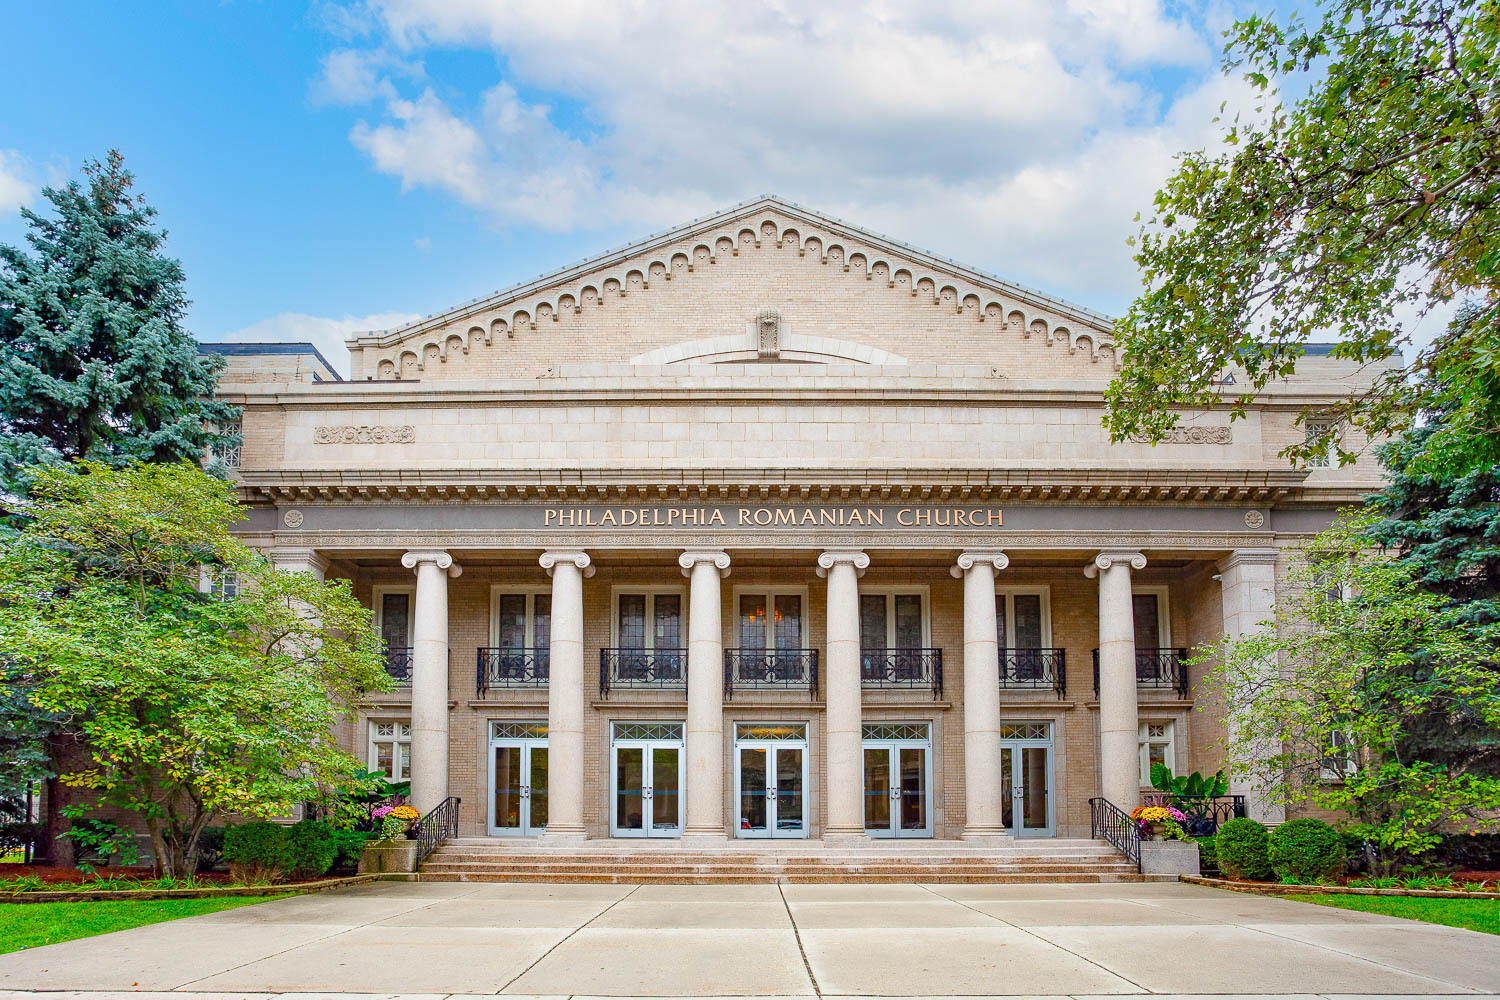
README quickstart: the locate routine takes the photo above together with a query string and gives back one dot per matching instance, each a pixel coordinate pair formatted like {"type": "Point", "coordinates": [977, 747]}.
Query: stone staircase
{"type": "Point", "coordinates": [668, 862]}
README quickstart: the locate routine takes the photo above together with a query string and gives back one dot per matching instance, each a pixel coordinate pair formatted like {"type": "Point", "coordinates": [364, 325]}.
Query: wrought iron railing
{"type": "Point", "coordinates": [641, 668]}
{"type": "Point", "coordinates": [437, 826]}
{"type": "Point", "coordinates": [398, 662]}
{"type": "Point", "coordinates": [1034, 668]}
{"type": "Point", "coordinates": [760, 669]}
{"type": "Point", "coordinates": [508, 668]}
{"type": "Point", "coordinates": [1204, 812]}
{"type": "Point", "coordinates": [902, 668]}
{"type": "Point", "coordinates": [1109, 822]}
{"type": "Point", "coordinates": [1156, 668]}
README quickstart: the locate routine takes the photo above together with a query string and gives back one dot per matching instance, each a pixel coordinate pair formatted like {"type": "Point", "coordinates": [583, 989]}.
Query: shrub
{"type": "Point", "coordinates": [1208, 857]}
{"type": "Point", "coordinates": [1242, 846]}
{"type": "Point", "coordinates": [257, 852]}
{"type": "Point", "coordinates": [1308, 850]}
{"type": "Point", "coordinates": [311, 848]}
{"type": "Point", "coordinates": [351, 844]}
{"type": "Point", "coordinates": [210, 848]}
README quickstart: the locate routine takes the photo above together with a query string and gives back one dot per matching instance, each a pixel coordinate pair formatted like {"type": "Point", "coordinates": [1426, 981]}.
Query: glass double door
{"type": "Point", "coordinates": [1026, 788]}
{"type": "Point", "coordinates": [898, 788]}
{"type": "Point", "coordinates": [646, 784]}
{"type": "Point", "coordinates": [518, 777]}
{"type": "Point", "coordinates": [770, 781]}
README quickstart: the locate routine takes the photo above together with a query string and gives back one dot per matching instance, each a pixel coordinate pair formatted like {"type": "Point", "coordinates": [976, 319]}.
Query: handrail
{"type": "Point", "coordinates": [1204, 812]}
{"type": "Point", "coordinates": [902, 667]}
{"type": "Point", "coordinates": [1037, 667]}
{"type": "Point", "coordinates": [1108, 821]}
{"type": "Point", "coordinates": [398, 663]}
{"type": "Point", "coordinates": [437, 826]}
{"type": "Point", "coordinates": [639, 668]}
{"type": "Point", "coordinates": [498, 667]}
{"type": "Point", "coordinates": [770, 668]}
{"type": "Point", "coordinates": [1156, 668]}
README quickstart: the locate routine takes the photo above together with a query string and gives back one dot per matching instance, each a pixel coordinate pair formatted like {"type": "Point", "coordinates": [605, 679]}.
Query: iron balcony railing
{"type": "Point", "coordinates": [1034, 668]}
{"type": "Point", "coordinates": [398, 664]}
{"type": "Point", "coordinates": [512, 668]}
{"type": "Point", "coordinates": [902, 668]}
{"type": "Point", "coordinates": [762, 669]}
{"type": "Point", "coordinates": [641, 668]}
{"type": "Point", "coordinates": [1156, 668]}
{"type": "Point", "coordinates": [1204, 812]}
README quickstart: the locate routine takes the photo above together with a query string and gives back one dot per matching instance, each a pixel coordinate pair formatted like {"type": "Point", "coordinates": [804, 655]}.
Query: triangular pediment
{"type": "Point", "coordinates": [701, 293]}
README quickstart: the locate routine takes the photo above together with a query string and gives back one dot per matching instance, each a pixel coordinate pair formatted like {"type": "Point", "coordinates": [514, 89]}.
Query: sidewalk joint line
{"type": "Point", "coordinates": [797, 934]}
{"type": "Point", "coordinates": [564, 939]}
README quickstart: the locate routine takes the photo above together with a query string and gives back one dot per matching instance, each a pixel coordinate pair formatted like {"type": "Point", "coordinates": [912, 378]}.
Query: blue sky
{"type": "Point", "coordinates": [342, 166]}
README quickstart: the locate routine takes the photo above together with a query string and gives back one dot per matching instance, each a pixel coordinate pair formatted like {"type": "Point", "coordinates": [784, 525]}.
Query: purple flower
{"type": "Point", "coordinates": [381, 812]}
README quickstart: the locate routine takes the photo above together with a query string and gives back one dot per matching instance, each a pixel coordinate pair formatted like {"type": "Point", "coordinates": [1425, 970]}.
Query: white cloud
{"type": "Point", "coordinates": [325, 333]}
{"type": "Point", "coordinates": [1021, 137]}
{"type": "Point", "coordinates": [17, 188]}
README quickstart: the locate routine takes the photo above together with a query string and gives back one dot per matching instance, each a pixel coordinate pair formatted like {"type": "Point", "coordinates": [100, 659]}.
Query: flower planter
{"type": "Point", "coordinates": [1169, 857]}
{"type": "Point", "coordinates": [389, 856]}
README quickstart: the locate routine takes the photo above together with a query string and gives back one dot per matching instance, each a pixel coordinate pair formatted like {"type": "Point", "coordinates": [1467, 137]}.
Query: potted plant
{"type": "Point", "coordinates": [392, 850]}
{"type": "Point", "coordinates": [1158, 823]}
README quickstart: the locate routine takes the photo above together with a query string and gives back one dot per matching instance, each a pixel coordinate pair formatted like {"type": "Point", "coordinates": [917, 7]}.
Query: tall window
{"type": "Point", "coordinates": [1021, 620]}
{"type": "Point", "coordinates": [892, 621]}
{"type": "Point", "coordinates": [1149, 611]}
{"type": "Point", "coordinates": [1156, 748]}
{"type": "Point", "coordinates": [390, 749]}
{"type": "Point", "coordinates": [1317, 429]}
{"type": "Point", "coordinates": [393, 618]}
{"type": "Point", "coordinates": [769, 621]}
{"type": "Point", "coordinates": [648, 621]}
{"type": "Point", "coordinates": [522, 620]}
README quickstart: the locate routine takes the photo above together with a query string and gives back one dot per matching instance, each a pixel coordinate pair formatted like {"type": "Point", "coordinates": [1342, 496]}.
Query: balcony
{"type": "Point", "coordinates": [771, 669]}
{"type": "Point", "coordinates": [1161, 669]}
{"type": "Point", "coordinates": [641, 668]}
{"type": "Point", "coordinates": [398, 665]}
{"type": "Point", "coordinates": [1039, 669]}
{"type": "Point", "coordinates": [512, 668]}
{"type": "Point", "coordinates": [902, 668]}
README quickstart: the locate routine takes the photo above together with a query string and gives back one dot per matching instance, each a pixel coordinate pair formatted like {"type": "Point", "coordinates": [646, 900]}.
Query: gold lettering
{"type": "Point", "coordinates": [808, 516]}
{"type": "Point", "coordinates": [644, 518]}
{"type": "Point", "coordinates": [924, 517]}
{"type": "Point", "coordinates": [716, 516]}
{"type": "Point", "coordinates": [549, 517]}
{"type": "Point", "coordinates": [942, 519]}
{"type": "Point", "coordinates": [785, 516]}
{"type": "Point", "coordinates": [588, 517]}
{"type": "Point", "coordinates": [961, 516]}
{"type": "Point", "coordinates": [826, 516]}
{"type": "Point", "coordinates": [901, 516]}
{"type": "Point", "coordinates": [758, 512]}
{"type": "Point", "coordinates": [855, 518]}
{"type": "Point", "coordinates": [672, 515]}
{"type": "Point", "coordinates": [994, 518]}
{"type": "Point", "coordinates": [875, 516]}
{"type": "Point", "coordinates": [744, 515]}
{"type": "Point", "coordinates": [607, 518]}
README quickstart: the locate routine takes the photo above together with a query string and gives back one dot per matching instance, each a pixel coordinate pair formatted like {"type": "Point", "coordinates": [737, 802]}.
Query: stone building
{"type": "Point", "coordinates": [769, 526]}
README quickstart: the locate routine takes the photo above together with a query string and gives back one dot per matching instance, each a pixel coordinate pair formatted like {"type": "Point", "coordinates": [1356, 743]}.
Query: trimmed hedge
{"type": "Point", "coordinates": [1208, 854]}
{"type": "Point", "coordinates": [312, 848]}
{"type": "Point", "coordinates": [258, 851]}
{"type": "Point", "coordinates": [1307, 850]}
{"type": "Point", "coordinates": [350, 844]}
{"type": "Point", "coordinates": [1243, 848]}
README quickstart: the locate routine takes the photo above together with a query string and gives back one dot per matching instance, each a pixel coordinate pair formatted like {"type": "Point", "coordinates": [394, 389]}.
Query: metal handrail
{"type": "Point", "coordinates": [1204, 812]}
{"type": "Point", "coordinates": [437, 826]}
{"type": "Point", "coordinates": [1034, 668]}
{"type": "Point", "coordinates": [1109, 822]}
{"type": "Point", "coordinates": [627, 667]}
{"type": "Point", "coordinates": [1156, 668]}
{"type": "Point", "coordinates": [770, 668]}
{"type": "Point", "coordinates": [512, 667]}
{"type": "Point", "coordinates": [902, 667]}
{"type": "Point", "coordinates": [398, 663]}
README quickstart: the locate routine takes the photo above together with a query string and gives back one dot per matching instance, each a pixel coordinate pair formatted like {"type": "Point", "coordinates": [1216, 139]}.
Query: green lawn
{"type": "Point", "coordinates": [31, 925]}
{"type": "Point", "coordinates": [1475, 914]}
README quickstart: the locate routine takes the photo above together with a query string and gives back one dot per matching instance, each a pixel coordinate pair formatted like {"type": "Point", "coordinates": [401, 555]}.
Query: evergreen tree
{"type": "Point", "coordinates": [94, 361]}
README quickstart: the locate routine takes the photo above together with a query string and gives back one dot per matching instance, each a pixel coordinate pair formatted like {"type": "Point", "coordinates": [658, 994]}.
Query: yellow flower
{"type": "Point", "coordinates": [405, 812]}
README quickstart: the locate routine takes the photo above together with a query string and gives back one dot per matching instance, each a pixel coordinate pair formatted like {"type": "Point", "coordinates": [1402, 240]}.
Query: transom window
{"type": "Point", "coordinates": [1026, 731]}
{"type": "Point", "coordinates": [647, 730]}
{"type": "Point", "coordinates": [648, 620]}
{"type": "Point", "coordinates": [770, 620]}
{"type": "Point", "coordinates": [1022, 619]}
{"type": "Point", "coordinates": [1156, 748]}
{"type": "Point", "coordinates": [790, 732]}
{"type": "Point", "coordinates": [390, 748]}
{"type": "Point", "coordinates": [896, 730]}
{"type": "Point", "coordinates": [521, 619]}
{"type": "Point", "coordinates": [892, 620]}
{"type": "Point", "coordinates": [518, 730]}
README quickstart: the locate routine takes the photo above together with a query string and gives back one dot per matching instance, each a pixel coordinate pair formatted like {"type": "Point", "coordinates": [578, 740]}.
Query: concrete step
{"type": "Point", "coordinates": [913, 871]}
{"type": "Point", "coordinates": [706, 878]}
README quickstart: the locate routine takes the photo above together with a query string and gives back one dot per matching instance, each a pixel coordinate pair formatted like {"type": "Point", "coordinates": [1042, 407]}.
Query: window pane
{"type": "Point", "coordinates": [908, 621]}
{"type": "Point", "coordinates": [512, 613]}
{"type": "Point", "coordinates": [633, 621]}
{"type": "Point", "coordinates": [788, 621]}
{"type": "Point", "coordinates": [753, 621]}
{"type": "Point", "coordinates": [405, 759]}
{"type": "Point", "coordinates": [1158, 755]}
{"type": "Point", "coordinates": [383, 758]}
{"type": "Point", "coordinates": [1000, 622]}
{"type": "Point", "coordinates": [872, 621]}
{"type": "Point", "coordinates": [395, 610]}
{"type": "Point", "coordinates": [1147, 622]}
{"type": "Point", "coordinates": [668, 621]}
{"type": "Point", "coordinates": [1028, 621]}
{"type": "Point", "coordinates": [541, 626]}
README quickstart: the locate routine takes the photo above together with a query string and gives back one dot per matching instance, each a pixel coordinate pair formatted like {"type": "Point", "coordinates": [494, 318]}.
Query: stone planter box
{"type": "Point", "coordinates": [395, 856]}
{"type": "Point", "coordinates": [1169, 857]}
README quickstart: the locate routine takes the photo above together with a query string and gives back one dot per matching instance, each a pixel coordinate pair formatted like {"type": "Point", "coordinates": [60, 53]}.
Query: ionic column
{"type": "Point", "coordinates": [566, 698]}
{"type": "Point", "coordinates": [429, 676]}
{"type": "Point", "coordinates": [1119, 721]}
{"type": "Point", "coordinates": [846, 783]}
{"type": "Point", "coordinates": [705, 693]}
{"type": "Point", "coordinates": [1247, 578]}
{"type": "Point", "coordinates": [984, 801]}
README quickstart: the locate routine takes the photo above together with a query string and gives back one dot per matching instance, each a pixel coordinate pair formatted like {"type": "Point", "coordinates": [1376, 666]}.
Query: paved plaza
{"type": "Point", "coordinates": [1036, 940]}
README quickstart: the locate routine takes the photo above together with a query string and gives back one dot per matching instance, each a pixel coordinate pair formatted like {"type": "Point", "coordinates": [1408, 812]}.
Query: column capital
{"type": "Point", "coordinates": [969, 558]}
{"type": "Point", "coordinates": [299, 561]}
{"type": "Point", "coordinates": [1110, 557]}
{"type": "Point", "coordinates": [1247, 557]}
{"type": "Point", "coordinates": [577, 557]}
{"type": "Point", "coordinates": [718, 557]}
{"type": "Point", "coordinates": [832, 557]}
{"type": "Point", "coordinates": [413, 558]}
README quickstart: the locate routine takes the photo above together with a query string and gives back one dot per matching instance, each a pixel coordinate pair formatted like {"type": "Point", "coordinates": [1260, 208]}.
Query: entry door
{"type": "Point", "coordinates": [898, 783]}
{"type": "Point", "coordinates": [518, 780]}
{"type": "Point", "coordinates": [770, 781]}
{"type": "Point", "coordinates": [1026, 780]}
{"type": "Point", "coordinates": [646, 780]}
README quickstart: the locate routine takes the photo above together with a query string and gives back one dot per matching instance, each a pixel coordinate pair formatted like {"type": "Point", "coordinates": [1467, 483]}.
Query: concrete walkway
{"type": "Point", "coordinates": [1038, 940]}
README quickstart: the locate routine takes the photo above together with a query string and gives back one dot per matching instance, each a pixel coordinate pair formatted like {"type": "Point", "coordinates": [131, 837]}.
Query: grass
{"type": "Point", "coordinates": [31, 925]}
{"type": "Point", "coordinates": [1474, 914]}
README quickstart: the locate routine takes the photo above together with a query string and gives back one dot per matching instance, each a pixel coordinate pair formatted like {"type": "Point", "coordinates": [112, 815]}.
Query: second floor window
{"type": "Point", "coordinates": [1149, 611]}
{"type": "Point", "coordinates": [1021, 620]}
{"type": "Point", "coordinates": [891, 621]}
{"type": "Point", "coordinates": [770, 621]}
{"type": "Point", "coordinates": [523, 620]}
{"type": "Point", "coordinates": [393, 618]}
{"type": "Point", "coordinates": [649, 621]}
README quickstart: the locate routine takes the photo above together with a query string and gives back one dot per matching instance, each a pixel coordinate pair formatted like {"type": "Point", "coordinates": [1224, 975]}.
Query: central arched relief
{"type": "Point", "coordinates": [757, 289]}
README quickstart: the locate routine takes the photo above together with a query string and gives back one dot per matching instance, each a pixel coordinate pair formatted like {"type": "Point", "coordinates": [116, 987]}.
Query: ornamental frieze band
{"type": "Point", "coordinates": [365, 434]}
{"type": "Point", "coordinates": [1190, 435]}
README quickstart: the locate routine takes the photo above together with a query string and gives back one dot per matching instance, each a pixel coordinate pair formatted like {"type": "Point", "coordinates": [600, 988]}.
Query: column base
{"type": "Point", "coordinates": [711, 835]}
{"type": "Point", "coordinates": [564, 835]}
{"type": "Point", "coordinates": [996, 834]}
{"type": "Point", "coordinates": [845, 837]}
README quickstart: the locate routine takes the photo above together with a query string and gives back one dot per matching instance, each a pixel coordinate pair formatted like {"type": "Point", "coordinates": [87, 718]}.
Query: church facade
{"type": "Point", "coordinates": [771, 527]}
